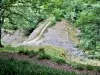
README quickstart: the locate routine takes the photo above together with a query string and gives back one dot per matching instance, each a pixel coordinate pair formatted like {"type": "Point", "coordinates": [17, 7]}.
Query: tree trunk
{"type": "Point", "coordinates": [0, 32]}
{"type": "Point", "coordinates": [1, 21]}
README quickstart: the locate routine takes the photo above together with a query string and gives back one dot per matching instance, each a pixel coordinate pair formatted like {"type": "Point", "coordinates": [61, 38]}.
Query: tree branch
{"type": "Point", "coordinates": [18, 14]}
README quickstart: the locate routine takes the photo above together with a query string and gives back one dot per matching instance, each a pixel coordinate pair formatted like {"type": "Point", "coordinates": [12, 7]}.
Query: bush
{"type": "Point", "coordinates": [78, 66]}
{"type": "Point", "coordinates": [98, 69]}
{"type": "Point", "coordinates": [89, 67]}
{"type": "Point", "coordinates": [41, 50]}
{"type": "Point", "coordinates": [30, 53]}
{"type": "Point", "coordinates": [60, 61]}
{"type": "Point", "coordinates": [26, 52]}
{"type": "Point", "coordinates": [20, 52]}
{"type": "Point", "coordinates": [88, 22]}
{"type": "Point", "coordinates": [42, 54]}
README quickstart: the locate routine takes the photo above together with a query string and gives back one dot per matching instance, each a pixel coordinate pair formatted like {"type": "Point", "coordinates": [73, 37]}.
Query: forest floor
{"type": "Point", "coordinates": [45, 62]}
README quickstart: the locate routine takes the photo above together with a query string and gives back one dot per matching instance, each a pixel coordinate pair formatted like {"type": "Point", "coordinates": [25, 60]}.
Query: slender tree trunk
{"type": "Point", "coordinates": [1, 23]}
{"type": "Point", "coordinates": [1, 20]}
{"type": "Point", "coordinates": [0, 32]}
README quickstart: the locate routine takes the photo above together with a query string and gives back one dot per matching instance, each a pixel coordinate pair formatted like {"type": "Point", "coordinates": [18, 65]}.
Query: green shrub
{"type": "Point", "coordinates": [8, 47]}
{"type": "Point", "coordinates": [78, 66]}
{"type": "Point", "coordinates": [42, 54]}
{"type": "Point", "coordinates": [89, 67]}
{"type": "Point", "coordinates": [97, 69]}
{"type": "Point", "coordinates": [30, 53]}
{"type": "Point", "coordinates": [41, 49]}
{"type": "Point", "coordinates": [20, 52]}
{"type": "Point", "coordinates": [26, 52]}
{"type": "Point", "coordinates": [60, 61]}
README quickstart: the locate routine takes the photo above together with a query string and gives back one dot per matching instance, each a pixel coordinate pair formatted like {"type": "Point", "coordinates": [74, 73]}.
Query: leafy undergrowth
{"type": "Point", "coordinates": [13, 67]}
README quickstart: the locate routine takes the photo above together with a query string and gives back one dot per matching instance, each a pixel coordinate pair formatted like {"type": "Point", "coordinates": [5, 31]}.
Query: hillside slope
{"type": "Point", "coordinates": [58, 35]}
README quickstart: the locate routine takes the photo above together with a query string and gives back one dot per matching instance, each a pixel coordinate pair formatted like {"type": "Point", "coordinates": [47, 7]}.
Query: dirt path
{"type": "Point", "coordinates": [49, 63]}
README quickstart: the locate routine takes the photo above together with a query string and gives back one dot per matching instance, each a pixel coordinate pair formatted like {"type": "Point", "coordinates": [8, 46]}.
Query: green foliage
{"type": "Point", "coordinates": [84, 67]}
{"type": "Point", "coordinates": [42, 54]}
{"type": "Point", "coordinates": [13, 67]}
{"type": "Point", "coordinates": [94, 54]}
{"type": "Point", "coordinates": [89, 24]}
{"type": "Point", "coordinates": [16, 16]}
{"type": "Point", "coordinates": [86, 17]}
{"type": "Point", "coordinates": [57, 13]}
{"type": "Point", "coordinates": [8, 48]}
{"type": "Point", "coordinates": [24, 14]}
{"type": "Point", "coordinates": [47, 52]}
{"type": "Point", "coordinates": [18, 20]}
{"type": "Point", "coordinates": [78, 66]}
{"type": "Point", "coordinates": [89, 67]}
{"type": "Point", "coordinates": [60, 61]}
{"type": "Point", "coordinates": [30, 53]}
{"type": "Point", "coordinates": [90, 1]}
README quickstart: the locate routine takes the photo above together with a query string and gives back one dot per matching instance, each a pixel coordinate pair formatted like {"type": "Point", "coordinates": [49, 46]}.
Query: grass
{"type": "Point", "coordinates": [55, 54]}
{"type": "Point", "coordinates": [51, 52]}
{"type": "Point", "coordinates": [42, 54]}
{"type": "Point", "coordinates": [13, 67]}
{"type": "Point", "coordinates": [88, 67]}
{"type": "Point", "coordinates": [60, 61]}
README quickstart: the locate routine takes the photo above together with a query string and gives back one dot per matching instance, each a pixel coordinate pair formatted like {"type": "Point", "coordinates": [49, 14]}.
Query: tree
{"type": "Point", "coordinates": [1, 23]}
{"type": "Point", "coordinates": [7, 11]}
{"type": "Point", "coordinates": [4, 6]}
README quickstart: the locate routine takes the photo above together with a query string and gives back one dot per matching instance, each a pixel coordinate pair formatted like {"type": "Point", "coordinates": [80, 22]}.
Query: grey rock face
{"type": "Point", "coordinates": [15, 38]}
{"type": "Point", "coordinates": [58, 36]}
